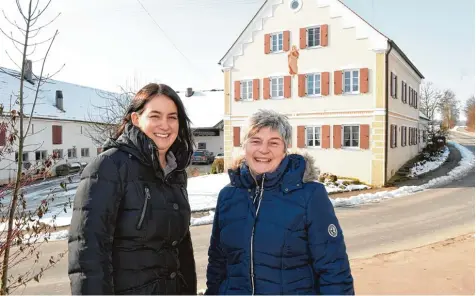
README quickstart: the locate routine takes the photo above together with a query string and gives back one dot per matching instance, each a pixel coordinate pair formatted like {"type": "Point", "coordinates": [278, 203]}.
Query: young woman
{"type": "Point", "coordinates": [129, 232]}
{"type": "Point", "coordinates": [275, 230]}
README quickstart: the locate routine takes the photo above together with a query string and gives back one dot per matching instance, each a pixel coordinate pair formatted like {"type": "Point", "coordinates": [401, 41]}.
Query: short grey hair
{"type": "Point", "coordinates": [270, 119]}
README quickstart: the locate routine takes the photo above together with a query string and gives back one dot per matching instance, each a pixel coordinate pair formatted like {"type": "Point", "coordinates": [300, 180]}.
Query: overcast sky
{"type": "Point", "coordinates": [109, 43]}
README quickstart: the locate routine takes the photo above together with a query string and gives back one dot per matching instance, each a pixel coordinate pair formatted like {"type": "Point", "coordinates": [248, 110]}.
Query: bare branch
{"type": "Point", "coordinates": [12, 23]}
{"type": "Point", "coordinates": [21, 11]}
{"type": "Point", "coordinates": [44, 9]}
{"type": "Point", "coordinates": [45, 25]}
{"type": "Point", "coordinates": [8, 55]}
{"type": "Point", "coordinates": [39, 81]}
{"type": "Point", "coordinates": [11, 38]}
{"type": "Point", "coordinates": [32, 14]}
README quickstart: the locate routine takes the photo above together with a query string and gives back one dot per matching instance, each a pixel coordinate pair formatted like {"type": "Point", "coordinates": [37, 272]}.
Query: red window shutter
{"type": "Point", "coordinates": [302, 38]}
{"type": "Point", "coordinates": [364, 136]}
{"type": "Point", "coordinates": [286, 40]}
{"type": "Point", "coordinates": [236, 136]}
{"type": "Point", "coordinates": [287, 86]}
{"type": "Point", "coordinates": [364, 80]}
{"type": "Point", "coordinates": [266, 92]}
{"type": "Point", "coordinates": [3, 135]}
{"type": "Point", "coordinates": [337, 136]}
{"type": "Point", "coordinates": [301, 136]}
{"type": "Point", "coordinates": [237, 90]}
{"type": "Point", "coordinates": [325, 83]}
{"type": "Point", "coordinates": [326, 136]}
{"type": "Point", "coordinates": [57, 134]}
{"type": "Point", "coordinates": [324, 33]}
{"type": "Point", "coordinates": [267, 45]}
{"type": "Point", "coordinates": [338, 82]}
{"type": "Point", "coordinates": [255, 89]}
{"type": "Point", "coordinates": [301, 85]}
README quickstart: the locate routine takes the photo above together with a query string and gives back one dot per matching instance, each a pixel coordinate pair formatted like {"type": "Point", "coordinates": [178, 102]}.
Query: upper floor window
{"type": "Point", "coordinates": [351, 81]}
{"type": "Point", "coordinates": [314, 36]}
{"type": "Point", "coordinates": [247, 90]}
{"type": "Point", "coordinates": [276, 42]}
{"type": "Point", "coordinates": [313, 84]}
{"type": "Point", "coordinates": [277, 87]}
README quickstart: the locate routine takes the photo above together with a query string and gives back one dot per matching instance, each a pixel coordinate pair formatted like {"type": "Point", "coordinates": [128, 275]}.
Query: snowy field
{"type": "Point", "coordinates": [203, 192]}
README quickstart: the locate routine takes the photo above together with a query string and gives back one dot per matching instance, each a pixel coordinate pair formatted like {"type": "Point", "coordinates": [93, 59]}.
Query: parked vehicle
{"type": "Point", "coordinates": [202, 157]}
{"type": "Point", "coordinates": [220, 155]}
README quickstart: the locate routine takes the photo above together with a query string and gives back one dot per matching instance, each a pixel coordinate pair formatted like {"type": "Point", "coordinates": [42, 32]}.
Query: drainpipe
{"type": "Point", "coordinates": [390, 42]}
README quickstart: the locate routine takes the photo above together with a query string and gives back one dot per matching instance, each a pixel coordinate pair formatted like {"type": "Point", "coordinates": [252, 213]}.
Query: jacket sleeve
{"type": "Point", "coordinates": [326, 244]}
{"type": "Point", "coordinates": [216, 269]}
{"type": "Point", "coordinates": [92, 228]}
{"type": "Point", "coordinates": [187, 260]}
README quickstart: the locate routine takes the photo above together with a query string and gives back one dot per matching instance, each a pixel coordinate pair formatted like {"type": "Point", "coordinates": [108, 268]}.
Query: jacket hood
{"type": "Point", "coordinates": [294, 170]}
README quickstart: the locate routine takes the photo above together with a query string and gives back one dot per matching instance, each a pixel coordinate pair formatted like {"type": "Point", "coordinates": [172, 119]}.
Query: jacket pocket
{"type": "Point", "coordinates": [144, 207]}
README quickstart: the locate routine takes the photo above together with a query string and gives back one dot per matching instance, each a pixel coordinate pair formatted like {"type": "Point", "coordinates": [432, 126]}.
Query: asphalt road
{"type": "Point", "coordinates": [392, 225]}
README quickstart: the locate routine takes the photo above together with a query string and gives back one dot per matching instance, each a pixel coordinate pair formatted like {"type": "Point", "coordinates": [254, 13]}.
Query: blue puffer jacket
{"type": "Point", "coordinates": [288, 242]}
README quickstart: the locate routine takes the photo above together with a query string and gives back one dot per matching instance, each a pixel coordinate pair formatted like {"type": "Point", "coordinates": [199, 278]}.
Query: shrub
{"type": "Point", "coordinates": [218, 166]}
{"type": "Point", "coordinates": [332, 178]}
{"type": "Point", "coordinates": [321, 179]}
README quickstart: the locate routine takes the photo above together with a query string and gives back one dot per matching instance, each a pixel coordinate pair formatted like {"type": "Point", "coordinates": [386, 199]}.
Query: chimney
{"type": "Point", "coordinates": [59, 100]}
{"type": "Point", "coordinates": [189, 92]}
{"type": "Point", "coordinates": [28, 74]}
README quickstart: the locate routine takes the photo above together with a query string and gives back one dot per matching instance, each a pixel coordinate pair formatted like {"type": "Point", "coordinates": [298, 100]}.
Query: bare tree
{"type": "Point", "coordinates": [448, 106]}
{"type": "Point", "coordinates": [429, 97]}
{"type": "Point", "coordinates": [469, 111]}
{"type": "Point", "coordinates": [104, 118]}
{"type": "Point", "coordinates": [24, 231]}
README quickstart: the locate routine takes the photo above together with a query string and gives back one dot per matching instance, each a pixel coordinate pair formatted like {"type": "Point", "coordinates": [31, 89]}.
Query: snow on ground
{"type": "Point", "coordinates": [425, 166]}
{"type": "Point", "coordinates": [203, 192]}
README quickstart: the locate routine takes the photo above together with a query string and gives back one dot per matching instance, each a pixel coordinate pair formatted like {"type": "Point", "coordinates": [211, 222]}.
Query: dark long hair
{"type": "Point", "coordinates": [183, 145]}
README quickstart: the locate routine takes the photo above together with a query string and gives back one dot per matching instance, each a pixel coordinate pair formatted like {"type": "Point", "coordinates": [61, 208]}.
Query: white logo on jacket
{"type": "Point", "coordinates": [332, 229]}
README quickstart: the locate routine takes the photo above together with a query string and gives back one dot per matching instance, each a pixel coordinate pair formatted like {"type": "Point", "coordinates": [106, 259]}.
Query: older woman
{"type": "Point", "coordinates": [275, 229]}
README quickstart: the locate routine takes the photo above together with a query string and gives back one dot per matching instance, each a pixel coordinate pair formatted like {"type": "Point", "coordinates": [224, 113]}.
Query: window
{"type": "Point", "coordinates": [314, 37]}
{"type": "Point", "coordinates": [404, 135]}
{"type": "Point", "coordinates": [295, 5]}
{"type": "Point", "coordinates": [351, 136]}
{"type": "Point", "coordinates": [58, 153]}
{"type": "Point", "coordinates": [247, 90]}
{"type": "Point", "coordinates": [84, 152]}
{"type": "Point", "coordinates": [277, 87]}
{"type": "Point", "coordinates": [313, 136]}
{"type": "Point", "coordinates": [314, 84]}
{"type": "Point", "coordinates": [202, 145]}
{"type": "Point", "coordinates": [24, 157]}
{"type": "Point", "coordinates": [351, 81]}
{"type": "Point", "coordinates": [276, 42]}
{"type": "Point", "coordinates": [393, 136]}
{"type": "Point", "coordinates": [404, 92]}
{"type": "Point", "coordinates": [57, 131]}
{"type": "Point", "coordinates": [393, 85]}
{"type": "Point", "coordinates": [72, 153]}
{"type": "Point", "coordinates": [40, 155]}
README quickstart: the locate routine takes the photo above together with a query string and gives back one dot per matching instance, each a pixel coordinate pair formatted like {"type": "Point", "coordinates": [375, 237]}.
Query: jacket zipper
{"type": "Point", "coordinates": [252, 276]}
{"type": "Point", "coordinates": [144, 207]}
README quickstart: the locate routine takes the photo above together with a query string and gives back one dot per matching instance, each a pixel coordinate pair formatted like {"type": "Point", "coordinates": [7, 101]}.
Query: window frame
{"type": "Point", "coordinates": [351, 71]}
{"type": "Point", "coordinates": [248, 87]}
{"type": "Point", "coordinates": [313, 127]}
{"type": "Point", "coordinates": [314, 74]}
{"type": "Point", "coordinates": [279, 79]}
{"type": "Point", "coordinates": [315, 29]}
{"type": "Point", "coordinates": [276, 35]}
{"type": "Point", "coordinates": [351, 138]}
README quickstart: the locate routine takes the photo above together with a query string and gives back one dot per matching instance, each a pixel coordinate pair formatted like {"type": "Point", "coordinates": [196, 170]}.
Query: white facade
{"type": "Point", "coordinates": [346, 105]}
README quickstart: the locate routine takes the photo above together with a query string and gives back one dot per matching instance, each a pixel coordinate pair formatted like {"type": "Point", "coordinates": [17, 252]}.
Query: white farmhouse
{"type": "Point", "coordinates": [62, 115]}
{"type": "Point", "coordinates": [350, 92]}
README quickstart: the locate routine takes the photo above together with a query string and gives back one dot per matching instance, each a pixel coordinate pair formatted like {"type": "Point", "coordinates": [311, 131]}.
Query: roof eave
{"type": "Point", "coordinates": [404, 56]}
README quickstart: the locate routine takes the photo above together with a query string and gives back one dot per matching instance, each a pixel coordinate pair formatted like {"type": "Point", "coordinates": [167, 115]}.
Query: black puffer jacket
{"type": "Point", "coordinates": [130, 232]}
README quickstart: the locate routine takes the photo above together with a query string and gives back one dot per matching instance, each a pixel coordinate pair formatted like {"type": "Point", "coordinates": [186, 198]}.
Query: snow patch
{"type": "Point", "coordinates": [425, 166]}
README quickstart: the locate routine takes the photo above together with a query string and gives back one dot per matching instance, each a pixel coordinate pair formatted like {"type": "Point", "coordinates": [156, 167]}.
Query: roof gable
{"type": "Point", "coordinates": [337, 9]}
